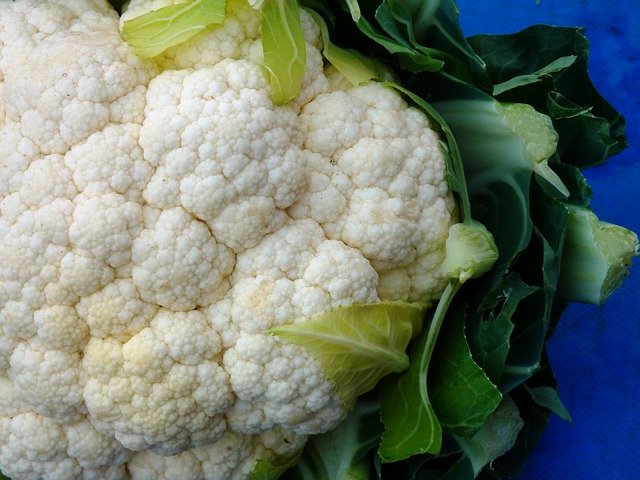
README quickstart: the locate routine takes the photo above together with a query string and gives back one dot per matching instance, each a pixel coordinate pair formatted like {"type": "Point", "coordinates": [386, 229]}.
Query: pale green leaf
{"type": "Point", "coordinates": [284, 48]}
{"type": "Point", "coordinates": [470, 251]}
{"type": "Point", "coordinates": [596, 259]}
{"type": "Point", "coordinates": [539, 136]}
{"type": "Point", "coordinates": [354, 66]}
{"type": "Point", "coordinates": [359, 344]}
{"type": "Point", "coordinates": [152, 33]}
{"type": "Point", "coordinates": [269, 470]}
{"type": "Point", "coordinates": [354, 9]}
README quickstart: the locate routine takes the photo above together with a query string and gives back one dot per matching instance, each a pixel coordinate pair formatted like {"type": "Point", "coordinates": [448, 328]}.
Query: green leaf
{"type": "Point", "coordinates": [496, 436]}
{"type": "Point", "coordinates": [535, 419]}
{"type": "Point", "coordinates": [355, 67]}
{"type": "Point", "coordinates": [411, 58]}
{"type": "Point", "coordinates": [341, 453]}
{"type": "Point", "coordinates": [461, 394]}
{"type": "Point", "coordinates": [411, 425]}
{"type": "Point", "coordinates": [489, 338]}
{"type": "Point", "coordinates": [548, 397]}
{"type": "Point", "coordinates": [359, 344]}
{"type": "Point", "coordinates": [354, 9]}
{"type": "Point", "coordinates": [547, 67]}
{"type": "Point", "coordinates": [496, 166]}
{"type": "Point", "coordinates": [284, 48]}
{"type": "Point", "coordinates": [556, 66]}
{"type": "Point", "coordinates": [268, 470]}
{"type": "Point", "coordinates": [152, 33]}
{"type": "Point", "coordinates": [431, 28]}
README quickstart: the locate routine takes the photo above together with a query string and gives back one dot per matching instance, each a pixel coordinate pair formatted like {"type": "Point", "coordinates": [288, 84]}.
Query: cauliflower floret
{"type": "Point", "coordinates": [105, 226]}
{"type": "Point", "coordinates": [93, 449]}
{"type": "Point", "coordinates": [234, 39]}
{"type": "Point", "coordinates": [51, 381]}
{"type": "Point", "coordinates": [79, 275]}
{"type": "Point", "coordinates": [379, 184]}
{"type": "Point", "coordinates": [44, 181]}
{"type": "Point", "coordinates": [181, 249]}
{"type": "Point", "coordinates": [17, 153]}
{"type": "Point", "coordinates": [76, 450]}
{"type": "Point", "coordinates": [163, 389]}
{"type": "Point", "coordinates": [307, 276]}
{"type": "Point", "coordinates": [233, 457]}
{"type": "Point", "coordinates": [116, 311]}
{"type": "Point", "coordinates": [111, 160]}
{"type": "Point", "coordinates": [29, 435]}
{"type": "Point", "coordinates": [278, 384]}
{"type": "Point", "coordinates": [60, 90]}
{"type": "Point", "coordinates": [60, 328]}
{"type": "Point", "coordinates": [158, 217]}
{"type": "Point", "coordinates": [231, 158]}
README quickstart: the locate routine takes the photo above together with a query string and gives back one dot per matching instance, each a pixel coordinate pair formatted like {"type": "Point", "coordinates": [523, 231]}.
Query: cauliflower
{"type": "Point", "coordinates": [159, 216]}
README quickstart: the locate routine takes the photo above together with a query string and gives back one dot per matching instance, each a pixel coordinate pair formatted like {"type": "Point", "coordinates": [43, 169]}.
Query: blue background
{"type": "Point", "coordinates": [595, 351]}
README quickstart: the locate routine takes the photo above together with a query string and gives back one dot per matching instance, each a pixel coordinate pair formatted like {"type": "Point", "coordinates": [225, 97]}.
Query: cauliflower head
{"type": "Point", "coordinates": [159, 216]}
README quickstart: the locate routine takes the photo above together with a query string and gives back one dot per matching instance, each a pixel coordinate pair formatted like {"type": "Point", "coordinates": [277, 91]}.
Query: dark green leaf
{"type": "Point", "coordinates": [461, 394]}
{"type": "Point", "coordinates": [410, 58]}
{"type": "Point", "coordinates": [461, 470]}
{"type": "Point", "coordinates": [590, 128]}
{"type": "Point", "coordinates": [497, 436]}
{"type": "Point", "coordinates": [535, 419]}
{"type": "Point", "coordinates": [539, 267]}
{"type": "Point", "coordinates": [540, 75]}
{"type": "Point", "coordinates": [489, 338]}
{"type": "Point", "coordinates": [579, 190]}
{"type": "Point", "coordinates": [432, 28]}
{"type": "Point", "coordinates": [548, 397]}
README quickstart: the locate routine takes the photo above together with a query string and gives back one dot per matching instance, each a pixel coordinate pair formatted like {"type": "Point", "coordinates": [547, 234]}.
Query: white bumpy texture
{"type": "Point", "coordinates": [158, 216]}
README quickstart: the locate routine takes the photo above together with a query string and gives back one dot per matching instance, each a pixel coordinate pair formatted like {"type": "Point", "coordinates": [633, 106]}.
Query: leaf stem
{"type": "Point", "coordinates": [434, 329]}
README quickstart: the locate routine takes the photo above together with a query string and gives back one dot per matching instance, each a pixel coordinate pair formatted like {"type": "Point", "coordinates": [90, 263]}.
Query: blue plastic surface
{"type": "Point", "coordinates": [595, 351]}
